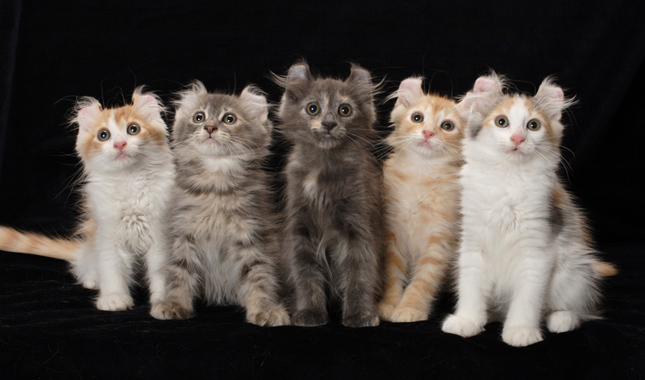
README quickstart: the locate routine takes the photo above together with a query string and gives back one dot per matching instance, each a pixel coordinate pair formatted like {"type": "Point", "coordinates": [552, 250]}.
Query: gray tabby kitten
{"type": "Point", "coordinates": [222, 230]}
{"type": "Point", "coordinates": [334, 225]}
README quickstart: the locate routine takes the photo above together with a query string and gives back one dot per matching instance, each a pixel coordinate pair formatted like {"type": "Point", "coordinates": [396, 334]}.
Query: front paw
{"type": "Point", "coordinates": [114, 302]}
{"type": "Point", "coordinates": [309, 318]}
{"type": "Point", "coordinates": [521, 336]}
{"type": "Point", "coordinates": [562, 321]}
{"type": "Point", "coordinates": [461, 326]}
{"type": "Point", "coordinates": [170, 310]}
{"type": "Point", "coordinates": [276, 316]}
{"type": "Point", "coordinates": [385, 310]}
{"type": "Point", "coordinates": [361, 320]}
{"type": "Point", "coordinates": [409, 314]}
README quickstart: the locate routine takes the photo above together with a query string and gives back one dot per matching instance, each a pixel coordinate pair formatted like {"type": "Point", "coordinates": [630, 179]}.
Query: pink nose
{"type": "Point", "coordinates": [428, 133]}
{"type": "Point", "coordinates": [120, 145]}
{"type": "Point", "coordinates": [517, 139]}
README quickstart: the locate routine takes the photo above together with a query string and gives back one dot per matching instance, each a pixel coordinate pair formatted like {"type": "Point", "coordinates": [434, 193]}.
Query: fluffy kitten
{"type": "Point", "coordinates": [222, 230]}
{"type": "Point", "coordinates": [128, 173]}
{"type": "Point", "coordinates": [334, 225]}
{"type": "Point", "coordinates": [421, 194]}
{"type": "Point", "coordinates": [525, 250]}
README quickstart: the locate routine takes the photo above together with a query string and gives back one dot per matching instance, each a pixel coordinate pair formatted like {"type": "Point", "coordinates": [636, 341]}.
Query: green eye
{"type": "Point", "coordinates": [103, 135]}
{"type": "Point", "coordinates": [345, 110]}
{"type": "Point", "coordinates": [533, 125]}
{"type": "Point", "coordinates": [447, 125]}
{"type": "Point", "coordinates": [501, 121]}
{"type": "Point", "coordinates": [313, 109]}
{"type": "Point", "coordinates": [133, 129]}
{"type": "Point", "coordinates": [199, 117]}
{"type": "Point", "coordinates": [417, 117]}
{"type": "Point", "coordinates": [229, 118]}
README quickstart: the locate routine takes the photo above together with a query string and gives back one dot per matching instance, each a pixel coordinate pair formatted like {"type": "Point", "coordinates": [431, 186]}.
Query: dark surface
{"type": "Point", "coordinates": [50, 54]}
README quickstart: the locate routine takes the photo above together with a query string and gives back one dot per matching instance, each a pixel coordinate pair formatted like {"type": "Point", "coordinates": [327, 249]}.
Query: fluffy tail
{"type": "Point", "coordinates": [36, 244]}
{"type": "Point", "coordinates": [604, 269]}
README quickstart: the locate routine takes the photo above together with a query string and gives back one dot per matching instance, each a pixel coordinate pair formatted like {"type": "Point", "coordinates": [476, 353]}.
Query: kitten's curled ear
{"type": "Point", "coordinates": [149, 106]}
{"type": "Point", "coordinates": [256, 105]}
{"type": "Point", "coordinates": [550, 99]}
{"type": "Point", "coordinates": [296, 81]}
{"type": "Point", "coordinates": [86, 114]}
{"type": "Point", "coordinates": [485, 95]}
{"type": "Point", "coordinates": [409, 92]}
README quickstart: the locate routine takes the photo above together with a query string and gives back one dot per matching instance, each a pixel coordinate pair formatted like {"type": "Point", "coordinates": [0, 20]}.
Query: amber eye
{"type": "Point", "coordinates": [447, 125]}
{"type": "Point", "coordinates": [345, 110]}
{"type": "Point", "coordinates": [313, 109]}
{"type": "Point", "coordinates": [133, 129]}
{"type": "Point", "coordinates": [501, 121]}
{"type": "Point", "coordinates": [417, 117]}
{"type": "Point", "coordinates": [533, 125]}
{"type": "Point", "coordinates": [103, 135]}
{"type": "Point", "coordinates": [229, 119]}
{"type": "Point", "coordinates": [199, 117]}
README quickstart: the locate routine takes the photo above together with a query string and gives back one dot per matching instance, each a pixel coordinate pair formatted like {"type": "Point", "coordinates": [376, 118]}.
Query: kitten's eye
{"type": "Point", "coordinates": [417, 117]}
{"type": "Point", "coordinates": [345, 110]}
{"type": "Point", "coordinates": [103, 135]}
{"type": "Point", "coordinates": [229, 118]}
{"type": "Point", "coordinates": [133, 129]}
{"type": "Point", "coordinates": [199, 117]}
{"type": "Point", "coordinates": [533, 125]}
{"type": "Point", "coordinates": [313, 109]}
{"type": "Point", "coordinates": [501, 121]}
{"type": "Point", "coordinates": [447, 125]}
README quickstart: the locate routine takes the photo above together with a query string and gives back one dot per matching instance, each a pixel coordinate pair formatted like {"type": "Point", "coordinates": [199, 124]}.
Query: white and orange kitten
{"type": "Point", "coordinates": [525, 252]}
{"type": "Point", "coordinates": [128, 174]}
{"type": "Point", "coordinates": [421, 192]}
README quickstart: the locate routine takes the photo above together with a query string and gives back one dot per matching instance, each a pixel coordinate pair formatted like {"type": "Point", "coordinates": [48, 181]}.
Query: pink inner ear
{"type": "Point", "coordinates": [412, 85]}
{"type": "Point", "coordinates": [556, 92]}
{"type": "Point", "coordinates": [485, 85]}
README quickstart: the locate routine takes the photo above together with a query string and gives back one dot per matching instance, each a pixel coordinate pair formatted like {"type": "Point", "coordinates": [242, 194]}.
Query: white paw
{"type": "Point", "coordinates": [114, 302]}
{"type": "Point", "coordinates": [562, 321]}
{"type": "Point", "coordinates": [408, 314]}
{"type": "Point", "coordinates": [521, 336]}
{"type": "Point", "coordinates": [461, 326]}
{"type": "Point", "coordinates": [90, 283]}
{"type": "Point", "coordinates": [276, 316]}
{"type": "Point", "coordinates": [385, 311]}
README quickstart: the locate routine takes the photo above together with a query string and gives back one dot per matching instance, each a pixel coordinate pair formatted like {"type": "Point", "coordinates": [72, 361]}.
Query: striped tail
{"type": "Point", "coordinates": [604, 269]}
{"type": "Point", "coordinates": [36, 244]}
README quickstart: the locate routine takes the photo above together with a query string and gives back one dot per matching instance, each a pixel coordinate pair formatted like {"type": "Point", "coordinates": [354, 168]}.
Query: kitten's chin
{"type": "Point", "coordinates": [327, 141]}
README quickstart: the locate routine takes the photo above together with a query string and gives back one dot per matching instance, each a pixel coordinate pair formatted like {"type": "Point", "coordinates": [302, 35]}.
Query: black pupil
{"type": "Point", "coordinates": [448, 126]}
{"type": "Point", "coordinates": [313, 108]}
{"type": "Point", "coordinates": [104, 135]}
{"type": "Point", "coordinates": [344, 110]}
{"type": "Point", "coordinates": [502, 121]}
{"type": "Point", "coordinates": [417, 117]}
{"type": "Point", "coordinates": [229, 118]}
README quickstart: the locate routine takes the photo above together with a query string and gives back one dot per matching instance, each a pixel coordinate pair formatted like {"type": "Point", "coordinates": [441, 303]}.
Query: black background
{"type": "Point", "coordinates": [51, 53]}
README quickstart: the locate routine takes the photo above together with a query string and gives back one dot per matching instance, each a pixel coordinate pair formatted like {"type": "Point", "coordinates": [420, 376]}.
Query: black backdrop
{"type": "Point", "coordinates": [51, 53]}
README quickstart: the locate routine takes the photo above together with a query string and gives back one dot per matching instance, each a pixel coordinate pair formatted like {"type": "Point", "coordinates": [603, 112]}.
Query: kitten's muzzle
{"type": "Point", "coordinates": [329, 125]}
{"type": "Point", "coordinates": [210, 129]}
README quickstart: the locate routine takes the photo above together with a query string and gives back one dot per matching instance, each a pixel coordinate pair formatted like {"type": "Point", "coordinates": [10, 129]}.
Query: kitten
{"type": "Point", "coordinates": [421, 198]}
{"type": "Point", "coordinates": [525, 249]}
{"type": "Point", "coordinates": [128, 172]}
{"type": "Point", "coordinates": [334, 225]}
{"type": "Point", "coordinates": [222, 229]}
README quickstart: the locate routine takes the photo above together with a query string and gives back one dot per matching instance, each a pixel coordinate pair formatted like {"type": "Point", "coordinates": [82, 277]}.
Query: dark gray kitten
{"type": "Point", "coordinates": [222, 231]}
{"type": "Point", "coordinates": [334, 227]}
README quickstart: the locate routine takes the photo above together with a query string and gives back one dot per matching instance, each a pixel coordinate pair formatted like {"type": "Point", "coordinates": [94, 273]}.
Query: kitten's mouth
{"type": "Point", "coordinates": [122, 156]}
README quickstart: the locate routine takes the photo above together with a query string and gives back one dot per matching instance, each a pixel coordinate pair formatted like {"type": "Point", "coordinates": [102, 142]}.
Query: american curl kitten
{"type": "Point", "coordinates": [421, 193]}
{"type": "Point", "coordinates": [334, 226]}
{"type": "Point", "coordinates": [128, 172]}
{"type": "Point", "coordinates": [525, 250]}
{"type": "Point", "coordinates": [222, 235]}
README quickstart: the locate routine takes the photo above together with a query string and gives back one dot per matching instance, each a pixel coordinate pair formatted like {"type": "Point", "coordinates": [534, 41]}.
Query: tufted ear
{"type": "Point", "coordinates": [409, 92]}
{"type": "Point", "coordinates": [255, 103]}
{"type": "Point", "coordinates": [550, 99]}
{"type": "Point", "coordinates": [360, 75]}
{"type": "Point", "coordinates": [88, 112]}
{"type": "Point", "coordinates": [298, 73]}
{"type": "Point", "coordinates": [147, 105]}
{"type": "Point", "coordinates": [486, 93]}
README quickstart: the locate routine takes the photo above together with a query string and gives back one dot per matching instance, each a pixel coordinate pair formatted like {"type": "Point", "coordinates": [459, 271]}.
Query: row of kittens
{"type": "Point", "coordinates": [471, 183]}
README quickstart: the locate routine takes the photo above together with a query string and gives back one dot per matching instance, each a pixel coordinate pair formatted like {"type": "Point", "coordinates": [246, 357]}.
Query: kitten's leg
{"type": "Point", "coordinates": [309, 280]}
{"type": "Point", "coordinates": [259, 289]}
{"type": "Point", "coordinates": [181, 282]}
{"type": "Point", "coordinates": [395, 273]}
{"type": "Point", "coordinates": [115, 269]}
{"type": "Point", "coordinates": [85, 266]}
{"type": "Point", "coordinates": [415, 304]}
{"type": "Point", "coordinates": [358, 262]}
{"type": "Point", "coordinates": [522, 324]}
{"type": "Point", "coordinates": [473, 290]}
{"type": "Point", "coordinates": [154, 267]}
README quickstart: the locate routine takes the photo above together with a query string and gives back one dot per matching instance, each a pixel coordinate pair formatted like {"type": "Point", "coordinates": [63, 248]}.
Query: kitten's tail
{"type": "Point", "coordinates": [604, 269]}
{"type": "Point", "coordinates": [36, 244]}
